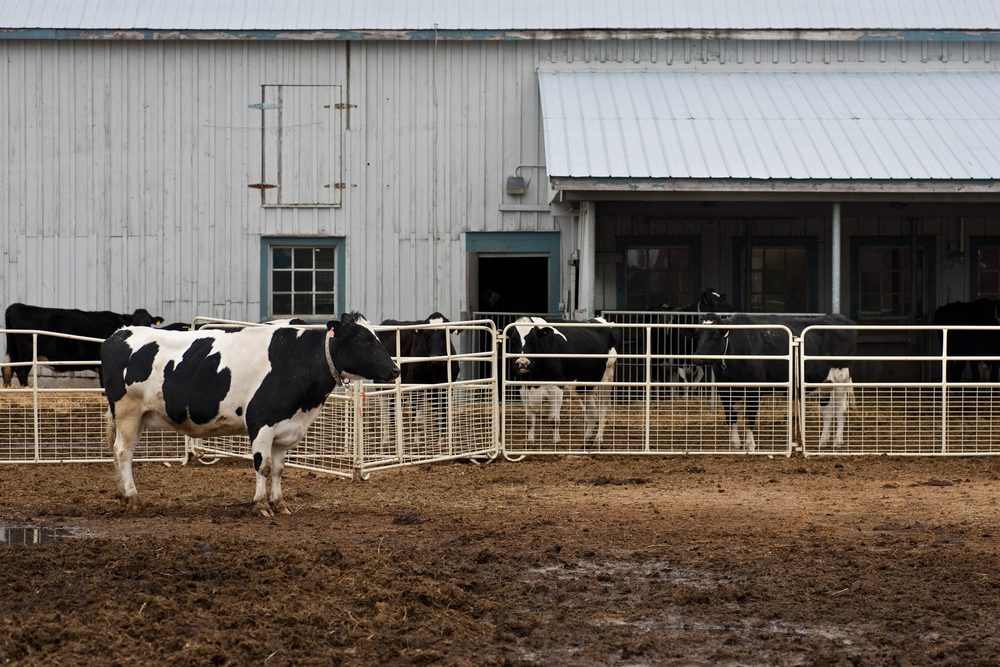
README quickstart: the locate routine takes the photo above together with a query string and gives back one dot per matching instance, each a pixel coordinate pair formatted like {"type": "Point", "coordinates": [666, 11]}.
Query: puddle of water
{"type": "Point", "coordinates": [661, 569]}
{"type": "Point", "coordinates": [28, 535]}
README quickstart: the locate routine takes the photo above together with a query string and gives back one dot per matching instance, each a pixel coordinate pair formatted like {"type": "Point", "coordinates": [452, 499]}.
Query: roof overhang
{"type": "Point", "coordinates": [673, 133]}
{"type": "Point", "coordinates": [652, 189]}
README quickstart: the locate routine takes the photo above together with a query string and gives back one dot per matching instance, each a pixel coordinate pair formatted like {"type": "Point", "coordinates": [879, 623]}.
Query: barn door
{"type": "Point", "coordinates": [301, 145]}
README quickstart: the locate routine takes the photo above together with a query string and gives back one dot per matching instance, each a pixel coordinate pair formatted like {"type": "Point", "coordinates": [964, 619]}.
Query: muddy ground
{"type": "Point", "coordinates": [550, 561]}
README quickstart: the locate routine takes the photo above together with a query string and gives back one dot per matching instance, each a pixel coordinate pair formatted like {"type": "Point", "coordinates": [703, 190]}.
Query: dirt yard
{"type": "Point", "coordinates": [550, 561]}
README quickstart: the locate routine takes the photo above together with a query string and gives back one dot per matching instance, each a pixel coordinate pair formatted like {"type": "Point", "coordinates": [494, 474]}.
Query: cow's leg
{"type": "Point", "coordinates": [528, 400]}
{"type": "Point", "coordinates": [277, 466]}
{"type": "Point", "coordinates": [555, 411]}
{"type": "Point", "coordinates": [585, 397]}
{"type": "Point", "coordinates": [440, 415]}
{"type": "Point", "coordinates": [7, 372]}
{"type": "Point", "coordinates": [262, 457]}
{"type": "Point", "coordinates": [750, 416]}
{"type": "Point", "coordinates": [602, 401]}
{"type": "Point", "coordinates": [727, 394]}
{"type": "Point", "coordinates": [126, 426]}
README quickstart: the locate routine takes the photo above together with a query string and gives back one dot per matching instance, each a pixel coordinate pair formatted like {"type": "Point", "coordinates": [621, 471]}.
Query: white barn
{"type": "Point", "coordinates": [258, 160]}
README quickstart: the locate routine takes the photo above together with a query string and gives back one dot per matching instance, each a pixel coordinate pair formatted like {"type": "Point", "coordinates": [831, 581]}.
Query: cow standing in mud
{"type": "Point", "coordinates": [265, 382]}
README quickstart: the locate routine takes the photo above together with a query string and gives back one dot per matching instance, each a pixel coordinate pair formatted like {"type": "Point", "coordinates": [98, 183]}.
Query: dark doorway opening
{"type": "Point", "coordinates": [514, 284]}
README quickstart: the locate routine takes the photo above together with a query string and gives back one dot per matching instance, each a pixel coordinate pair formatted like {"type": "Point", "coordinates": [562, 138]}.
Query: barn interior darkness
{"type": "Point", "coordinates": [514, 284]}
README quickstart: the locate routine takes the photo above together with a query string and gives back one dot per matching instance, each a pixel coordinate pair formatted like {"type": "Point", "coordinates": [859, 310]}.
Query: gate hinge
{"type": "Point", "coordinates": [336, 186]}
{"type": "Point", "coordinates": [340, 105]}
{"type": "Point", "coordinates": [262, 186]}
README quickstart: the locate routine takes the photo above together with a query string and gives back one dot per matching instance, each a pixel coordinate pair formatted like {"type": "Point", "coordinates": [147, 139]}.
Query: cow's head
{"type": "Point", "coordinates": [435, 343]}
{"type": "Point", "coordinates": [712, 340]}
{"type": "Point", "coordinates": [356, 351]}
{"type": "Point", "coordinates": [142, 318]}
{"type": "Point", "coordinates": [536, 336]}
{"type": "Point", "coordinates": [712, 301]}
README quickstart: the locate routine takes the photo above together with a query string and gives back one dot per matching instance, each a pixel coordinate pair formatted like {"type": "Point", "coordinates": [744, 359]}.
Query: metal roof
{"type": "Point", "coordinates": [771, 125]}
{"type": "Point", "coordinates": [450, 15]}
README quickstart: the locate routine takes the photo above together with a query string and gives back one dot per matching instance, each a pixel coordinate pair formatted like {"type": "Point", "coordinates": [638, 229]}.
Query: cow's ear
{"type": "Point", "coordinates": [545, 331]}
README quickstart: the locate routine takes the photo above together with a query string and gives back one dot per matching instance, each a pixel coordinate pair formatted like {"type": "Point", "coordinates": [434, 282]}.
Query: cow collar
{"type": "Point", "coordinates": [337, 379]}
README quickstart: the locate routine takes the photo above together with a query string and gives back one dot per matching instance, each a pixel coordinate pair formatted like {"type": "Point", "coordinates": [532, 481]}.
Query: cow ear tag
{"type": "Point", "coordinates": [329, 333]}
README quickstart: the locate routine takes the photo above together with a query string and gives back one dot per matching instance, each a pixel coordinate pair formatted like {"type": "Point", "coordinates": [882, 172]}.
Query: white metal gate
{"type": "Point", "coordinates": [650, 412]}
{"type": "Point", "coordinates": [924, 414]}
{"type": "Point", "coordinates": [49, 424]}
{"type": "Point", "coordinates": [364, 427]}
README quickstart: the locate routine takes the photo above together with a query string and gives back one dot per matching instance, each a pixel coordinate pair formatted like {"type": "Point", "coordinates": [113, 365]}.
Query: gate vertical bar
{"type": "Point", "coordinates": [944, 390]}
{"type": "Point", "coordinates": [448, 411]}
{"type": "Point", "coordinates": [358, 427]}
{"type": "Point", "coordinates": [800, 367]}
{"type": "Point", "coordinates": [790, 394]}
{"type": "Point", "coordinates": [648, 389]}
{"type": "Point", "coordinates": [34, 394]}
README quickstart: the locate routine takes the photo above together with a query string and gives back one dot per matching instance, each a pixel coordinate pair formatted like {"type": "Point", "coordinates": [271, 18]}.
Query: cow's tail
{"type": "Point", "coordinates": [8, 371]}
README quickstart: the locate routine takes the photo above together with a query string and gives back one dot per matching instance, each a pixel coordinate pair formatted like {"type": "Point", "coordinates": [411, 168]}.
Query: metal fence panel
{"type": "Point", "coordinates": [932, 416]}
{"type": "Point", "coordinates": [42, 424]}
{"type": "Point", "coordinates": [651, 413]}
{"type": "Point", "coordinates": [366, 427]}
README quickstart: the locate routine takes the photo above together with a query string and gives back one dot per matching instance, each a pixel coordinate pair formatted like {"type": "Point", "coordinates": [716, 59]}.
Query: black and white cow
{"type": "Point", "coordinates": [92, 324]}
{"type": "Point", "coordinates": [667, 343]}
{"type": "Point", "coordinates": [971, 342]}
{"type": "Point", "coordinates": [536, 335]}
{"type": "Point", "coordinates": [265, 382]}
{"type": "Point", "coordinates": [427, 406]}
{"type": "Point", "coordinates": [734, 343]}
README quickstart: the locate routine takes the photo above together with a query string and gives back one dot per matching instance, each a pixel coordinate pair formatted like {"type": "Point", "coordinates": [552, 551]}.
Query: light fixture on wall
{"type": "Point", "coordinates": [515, 186]}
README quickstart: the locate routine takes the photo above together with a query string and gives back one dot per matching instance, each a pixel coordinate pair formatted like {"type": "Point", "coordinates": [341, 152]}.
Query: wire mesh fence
{"type": "Point", "coordinates": [947, 408]}
{"type": "Point", "coordinates": [647, 413]}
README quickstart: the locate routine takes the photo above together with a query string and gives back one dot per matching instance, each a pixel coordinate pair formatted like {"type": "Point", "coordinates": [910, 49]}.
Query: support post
{"type": "Point", "coordinates": [587, 242]}
{"type": "Point", "coordinates": [835, 237]}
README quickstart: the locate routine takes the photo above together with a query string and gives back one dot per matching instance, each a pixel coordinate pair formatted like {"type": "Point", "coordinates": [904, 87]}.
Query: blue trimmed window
{"type": "Point", "coordinates": [302, 277]}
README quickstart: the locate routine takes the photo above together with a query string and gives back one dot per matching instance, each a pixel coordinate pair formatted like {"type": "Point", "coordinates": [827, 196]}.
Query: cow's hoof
{"type": "Point", "coordinates": [263, 509]}
{"type": "Point", "coordinates": [282, 508]}
{"type": "Point", "coordinates": [132, 504]}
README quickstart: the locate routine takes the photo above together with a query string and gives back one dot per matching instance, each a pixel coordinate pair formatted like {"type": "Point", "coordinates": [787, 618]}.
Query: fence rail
{"type": "Point", "coordinates": [649, 409]}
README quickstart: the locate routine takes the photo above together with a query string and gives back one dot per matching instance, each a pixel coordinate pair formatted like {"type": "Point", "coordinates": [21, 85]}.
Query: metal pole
{"type": "Point", "coordinates": [835, 235]}
{"type": "Point", "coordinates": [587, 241]}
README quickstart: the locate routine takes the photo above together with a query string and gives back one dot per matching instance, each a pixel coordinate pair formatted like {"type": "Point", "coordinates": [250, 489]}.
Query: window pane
{"type": "Point", "coordinates": [326, 258]}
{"type": "Point", "coordinates": [796, 259]}
{"type": "Point", "coordinates": [303, 258]}
{"type": "Point", "coordinates": [303, 281]}
{"type": "Point", "coordinates": [281, 258]}
{"type": "Point", "coordinates": [281, 281]}
{"type": "Point", "coordinates": [303, 304]}
{"type": "Point", "coordinates": [282, 304]}
{"type": "Point", "coordinates": [326, 304]}
{"type": "Point", "coordinates": [324, 281]}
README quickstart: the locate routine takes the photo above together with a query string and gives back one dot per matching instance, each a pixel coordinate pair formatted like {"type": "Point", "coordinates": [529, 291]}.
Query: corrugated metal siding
{"type": "Point", "coordinates": [772, 125]}
{"type": "Point", "coordinates": [506, 15]}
